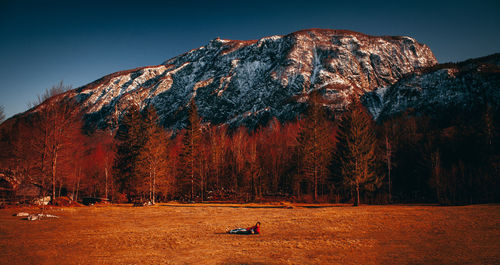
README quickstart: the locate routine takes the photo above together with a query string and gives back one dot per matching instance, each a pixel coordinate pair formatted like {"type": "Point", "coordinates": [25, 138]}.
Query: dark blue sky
{"type": "Point", "coordinates": [43, 42]}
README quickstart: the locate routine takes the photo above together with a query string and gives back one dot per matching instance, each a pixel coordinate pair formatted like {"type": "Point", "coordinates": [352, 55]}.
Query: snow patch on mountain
{"type": "Point", "coordinates": [434, 89]}
{"type": "Point", "coordinates": [268, 77]}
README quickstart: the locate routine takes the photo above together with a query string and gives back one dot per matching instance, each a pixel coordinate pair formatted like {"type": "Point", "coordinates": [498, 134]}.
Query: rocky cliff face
{"type": "Point", "coordinates": [462, 86]}
{"type": "Point", "coordinates": [248, 82]}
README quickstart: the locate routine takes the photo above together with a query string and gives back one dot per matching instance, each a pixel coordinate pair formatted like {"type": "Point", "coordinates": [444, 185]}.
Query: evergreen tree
{"type": "Point", "coordinates": [131, 138]}
{"type": "Point", "coordinates": [190, 155]}
{"type": "Point", "coordinates": [356, 151]}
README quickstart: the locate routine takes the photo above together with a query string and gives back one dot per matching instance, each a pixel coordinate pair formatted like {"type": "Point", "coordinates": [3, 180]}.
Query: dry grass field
{"type": "Point", "coordinates": [195, 234]}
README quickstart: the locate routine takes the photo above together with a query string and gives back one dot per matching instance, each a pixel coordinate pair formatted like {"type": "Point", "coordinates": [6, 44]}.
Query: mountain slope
{"type": "Point", "coordinates": [441, 88]}
{"type": "Point", "coordinates": [248, 82]}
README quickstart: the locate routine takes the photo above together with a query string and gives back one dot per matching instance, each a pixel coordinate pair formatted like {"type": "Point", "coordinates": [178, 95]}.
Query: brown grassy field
{"type": "Point", "coordinates": [194, 234]}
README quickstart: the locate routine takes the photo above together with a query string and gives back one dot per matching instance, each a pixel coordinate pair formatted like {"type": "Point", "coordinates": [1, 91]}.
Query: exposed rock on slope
{"type": "Point", "coordinates": [248, 82]}
{"type": "Point", "coordinates": [440, 88]}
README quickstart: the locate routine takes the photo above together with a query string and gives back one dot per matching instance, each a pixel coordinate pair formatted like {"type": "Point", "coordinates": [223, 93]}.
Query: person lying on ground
{"type": "Point", "coordinates": [247, 231]}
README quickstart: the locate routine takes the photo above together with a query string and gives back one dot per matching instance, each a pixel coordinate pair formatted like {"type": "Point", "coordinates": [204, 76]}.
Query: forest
{"type": "Point", "coordinates": [322, 156]}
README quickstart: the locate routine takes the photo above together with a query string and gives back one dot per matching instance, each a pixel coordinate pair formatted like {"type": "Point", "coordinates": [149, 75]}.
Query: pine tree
{"type": "Point", "coordinates": [131, 138]}
{"type": "Point", "coordinates": [191, 149]}
{"type": "Point", "coordinates": [314, 145]}
{"type": "Point", "coordinates": [356, 151]}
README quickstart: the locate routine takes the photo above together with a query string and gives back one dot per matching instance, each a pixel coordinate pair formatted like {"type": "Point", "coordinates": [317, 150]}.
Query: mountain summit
{"type": "Point", "coordinates": [249, 82]}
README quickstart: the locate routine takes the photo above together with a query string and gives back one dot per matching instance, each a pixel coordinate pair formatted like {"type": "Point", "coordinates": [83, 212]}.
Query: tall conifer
{"type": "Point", "coordinates": [356, 151]}
{"type": "Point", "coordinates": [191, 149]}
{"type": "Point", "coordinates": [131, 138]}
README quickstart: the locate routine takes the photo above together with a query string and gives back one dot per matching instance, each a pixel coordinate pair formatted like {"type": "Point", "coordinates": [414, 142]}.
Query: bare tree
{"type": "Point", "coordinates": [219, 144]}
{"type": "Point", "coordinates": [239, 151]}
{"type": "Point", "coordinates": [56, 124]}
{"type": "Point", "coordinates": [53, 91]}
{"type": "Point", "coordinates": [315, 145]}
{"type": "Point", "coordinates": [152, 160]}
{"type": "Point", "coordinates": [104, 153]}
{"type": "Point", "coordinates": [254, 170]}
{"type": "Point", "coordinates": [2, 114]}
{"type": "Point", "coordinates": [389, 135]}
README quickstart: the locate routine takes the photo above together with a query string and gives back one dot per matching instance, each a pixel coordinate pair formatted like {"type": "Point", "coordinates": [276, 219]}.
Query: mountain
{"type": "Point", "coordinates": [440, 89]}
{"type": "Point", "coordinates": [249, 82]}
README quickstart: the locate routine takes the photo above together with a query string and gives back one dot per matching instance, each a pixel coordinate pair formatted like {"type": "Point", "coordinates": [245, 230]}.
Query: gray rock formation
{"type": "Point", "coordinates": [442, 88]}
{"type": "Point", "coordinates": [249, 82]}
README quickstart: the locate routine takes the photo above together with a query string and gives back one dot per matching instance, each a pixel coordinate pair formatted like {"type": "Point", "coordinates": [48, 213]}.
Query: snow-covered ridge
{"type": "Point", "coordinates": [230, 78]}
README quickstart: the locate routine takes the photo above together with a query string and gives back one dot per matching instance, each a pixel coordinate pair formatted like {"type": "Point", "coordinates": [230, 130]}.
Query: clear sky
{"type": "Point", "coordinates": [44, 42]}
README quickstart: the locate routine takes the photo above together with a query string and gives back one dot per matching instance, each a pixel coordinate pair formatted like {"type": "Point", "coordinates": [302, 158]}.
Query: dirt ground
{"type": "Point", "coordinates": [194, 234]}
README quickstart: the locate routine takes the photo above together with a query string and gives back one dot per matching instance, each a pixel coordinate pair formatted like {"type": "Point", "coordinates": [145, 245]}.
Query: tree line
{"type": "Point", "coordinates": [321, 156]}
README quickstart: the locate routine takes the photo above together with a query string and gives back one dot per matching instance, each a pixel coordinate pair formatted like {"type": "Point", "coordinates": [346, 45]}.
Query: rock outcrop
{"type": "Point", "coordinates": [460, 86]}
{"type": "Point", "coordinates": [249, 82]}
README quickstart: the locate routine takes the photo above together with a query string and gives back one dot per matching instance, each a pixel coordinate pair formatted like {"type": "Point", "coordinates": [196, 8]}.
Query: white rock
{"type": "Point", "coordinates": [22, 214]}
{"type": "Point", "coordinates": [48, 215]}
{"type": "Point", "coordinates": [33, 217]}
{"type": "Point", "coordinates": [42, 201]}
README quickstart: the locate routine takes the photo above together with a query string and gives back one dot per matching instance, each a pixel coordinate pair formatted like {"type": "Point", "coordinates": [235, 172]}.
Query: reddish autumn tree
{"type": "Point", "coordinates": [81, 168]}
{"type": "Point", "coordinates": [152, 166]}
{"type": "Point", "coordinates": [103, 156]}
{"type": "Point", "coordinates": [277, 152]}
{"type": "Point", "coordinates": [47, 140]}
{"type": "Point", "coordinates": [174, 150]}
{"type": "Point", "coordinates": [238, 150]}
{"type": "Point", "coordinates": [254, 170]}
{"type": "Point", "coordinates": [219, 142]}
{"type": "Point", "coordinates": [276, 144]}
{"type": "Point", "coordinates": [204, 163]}
{"type": "Point", "coordinates": [57, 126]}
{"type": "Point", "coordinates": [71, 157]}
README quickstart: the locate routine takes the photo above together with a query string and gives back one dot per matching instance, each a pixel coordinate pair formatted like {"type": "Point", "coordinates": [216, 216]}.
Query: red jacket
{"type": "Point", "coordinates": [255, 228]}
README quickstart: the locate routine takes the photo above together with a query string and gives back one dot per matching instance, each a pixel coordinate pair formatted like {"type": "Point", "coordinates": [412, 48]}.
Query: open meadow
{"type": "Point", "coordinates": [195, 234]}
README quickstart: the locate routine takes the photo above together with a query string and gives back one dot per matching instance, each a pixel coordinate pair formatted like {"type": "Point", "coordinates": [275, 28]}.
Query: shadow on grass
{"type": "Point", "coordinates": [223, 233]}
{"type": "Point", "coordinates": [232, 206]}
